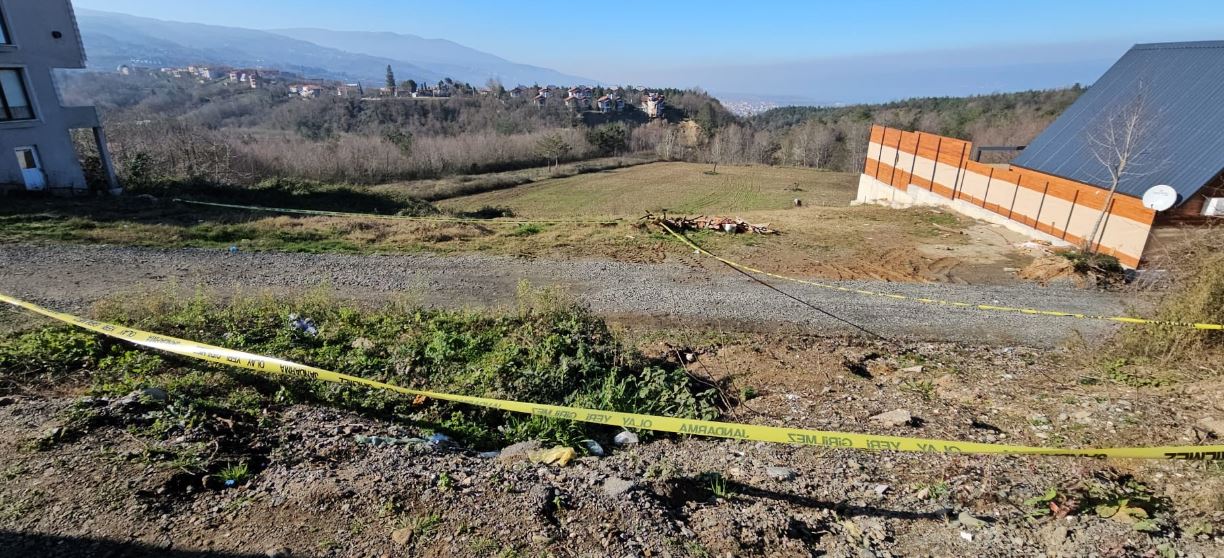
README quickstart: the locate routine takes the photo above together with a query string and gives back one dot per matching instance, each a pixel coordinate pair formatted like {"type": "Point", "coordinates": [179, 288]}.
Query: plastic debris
{"type": "Point", "coordinates": [385, 440]}
{"type": "Point", "coordinates": [439, 439]}
{"type": "Point", "coordinates": [560, 456]}
{"type": "Point", "coordinates": [626, 438]}
{"type": "Point", "coordinates": [230, 482]}
{"type": "Point", "coordinates": [780, 473]}
{"type": "Point", "coordinates": [303, 324]}
{"type": "Point", "coordinates": [967, 520]}
{"type": "Point", "coordinates": [593, 448]}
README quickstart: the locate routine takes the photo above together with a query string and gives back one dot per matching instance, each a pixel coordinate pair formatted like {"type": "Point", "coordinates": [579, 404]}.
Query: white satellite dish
{"type": "Point", "coordinates": [1159, 197]}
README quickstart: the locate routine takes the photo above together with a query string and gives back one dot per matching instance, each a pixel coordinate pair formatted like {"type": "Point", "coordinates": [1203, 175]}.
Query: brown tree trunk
{"type": "Point", "coordinates": [1091, 238]}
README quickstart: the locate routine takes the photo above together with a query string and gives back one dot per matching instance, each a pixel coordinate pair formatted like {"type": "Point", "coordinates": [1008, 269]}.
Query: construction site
{"type": "Point", "coordinates": [955, 349]}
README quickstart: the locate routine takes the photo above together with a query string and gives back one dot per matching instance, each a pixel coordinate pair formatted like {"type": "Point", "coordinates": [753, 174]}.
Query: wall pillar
{"type": "Point", "coordinates": [108, 167]}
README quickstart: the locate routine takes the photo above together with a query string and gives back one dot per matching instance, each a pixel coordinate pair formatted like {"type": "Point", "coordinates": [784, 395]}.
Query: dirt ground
{"type": "Point", "coordinates": [321, 491]}
{"type": "Point", "coordinates": [687, 289]}
{"type": "Point", "coordinates": [320, 487]}
{"type": "Point", "coordinates": [825, 238]}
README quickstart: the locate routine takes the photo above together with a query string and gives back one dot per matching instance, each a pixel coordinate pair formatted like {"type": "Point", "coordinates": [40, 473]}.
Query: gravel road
{"type": "Point", "coordinates": [69, 277]}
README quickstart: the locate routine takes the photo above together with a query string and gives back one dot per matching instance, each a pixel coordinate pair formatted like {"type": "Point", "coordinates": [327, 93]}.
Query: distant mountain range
{"type": "Point", "coordinates": [438, 55]}
{"type": "Point", "coordinates": [112, 39]}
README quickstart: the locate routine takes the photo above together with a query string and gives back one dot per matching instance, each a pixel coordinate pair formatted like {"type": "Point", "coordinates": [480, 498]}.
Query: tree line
{"type": "Point", "coordinates": [181, 129]}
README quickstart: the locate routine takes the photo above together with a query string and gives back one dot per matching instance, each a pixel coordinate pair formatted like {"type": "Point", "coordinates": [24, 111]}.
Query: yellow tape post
{"type": "Point", "coordinates": [277, 367]}
{"type": "Point", "coordinates": [321, 213]}
{"type": "Point", "coordinates": [985, 307]}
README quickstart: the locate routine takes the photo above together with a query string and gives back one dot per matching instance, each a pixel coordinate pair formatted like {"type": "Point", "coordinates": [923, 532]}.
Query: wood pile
{"type": "Point", "coordinates": [721, 224]}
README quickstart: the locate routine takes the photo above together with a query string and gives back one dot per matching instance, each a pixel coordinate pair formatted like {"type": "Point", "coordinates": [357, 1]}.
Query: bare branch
{"type": "Point", "coordinates": [1124, 145]}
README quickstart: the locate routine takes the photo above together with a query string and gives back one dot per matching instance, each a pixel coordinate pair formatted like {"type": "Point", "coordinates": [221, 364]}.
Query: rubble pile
{"type": "Point", "coordinates": [721, 224]}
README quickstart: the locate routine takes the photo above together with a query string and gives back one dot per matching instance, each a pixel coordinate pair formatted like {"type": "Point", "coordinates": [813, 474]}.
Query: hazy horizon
{"type": "Point", "coordinates": [810, 54]}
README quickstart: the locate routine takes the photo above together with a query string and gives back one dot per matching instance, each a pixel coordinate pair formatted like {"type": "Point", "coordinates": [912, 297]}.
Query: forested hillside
{"type": "Point", "coordinates": [836, 137]}
{"type": "Point", "coordinates": [166, 128]}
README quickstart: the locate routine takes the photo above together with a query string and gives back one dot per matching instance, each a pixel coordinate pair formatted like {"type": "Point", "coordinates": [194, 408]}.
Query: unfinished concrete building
{"type": "Point", "coordinates": [36, 147]}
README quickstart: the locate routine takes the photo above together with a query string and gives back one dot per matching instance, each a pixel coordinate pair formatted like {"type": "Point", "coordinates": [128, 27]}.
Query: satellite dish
{"type": "Point", "coordinates": [1159, 197]}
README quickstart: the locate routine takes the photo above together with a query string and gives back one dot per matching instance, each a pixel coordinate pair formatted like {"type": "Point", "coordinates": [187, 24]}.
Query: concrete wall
{"type": "Point", "coordinates": [914, 168]}
{"type": "Point", "coordinates": [34, 49]}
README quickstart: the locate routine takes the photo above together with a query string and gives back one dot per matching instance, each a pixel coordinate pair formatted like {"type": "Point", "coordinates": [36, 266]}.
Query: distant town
{"type": "Point", "coordinates": [579, 98]}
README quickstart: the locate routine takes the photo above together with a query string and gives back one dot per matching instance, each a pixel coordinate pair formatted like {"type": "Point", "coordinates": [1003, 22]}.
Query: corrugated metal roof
{"type": "Point", "coordinates": [1183, 98]}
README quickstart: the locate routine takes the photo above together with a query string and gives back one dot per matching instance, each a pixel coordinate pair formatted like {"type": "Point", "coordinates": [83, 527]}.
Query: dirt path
{"type": "Point", "coordinates": [72, 276]}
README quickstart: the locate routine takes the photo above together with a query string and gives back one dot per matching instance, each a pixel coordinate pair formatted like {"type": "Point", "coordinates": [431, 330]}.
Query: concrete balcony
{"type": "Point", "coordinates": [80, 117]}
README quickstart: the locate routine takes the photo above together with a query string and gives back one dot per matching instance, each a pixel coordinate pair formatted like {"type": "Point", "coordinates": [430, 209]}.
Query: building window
{"type": "Point", "coordinates": [4, 36]}
{"type": "Point", "coordinates": [14, 100]}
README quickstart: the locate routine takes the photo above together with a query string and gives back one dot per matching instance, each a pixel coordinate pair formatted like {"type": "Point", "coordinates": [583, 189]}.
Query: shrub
{"type": "Point", "coordinates": [1094, 263]}
{"type": "Point", "coordinates": [526, 229]}
{"type": "Point", "coordinates": [1192, 290]}
{"type": "Point", "coordinates": [487, 212]}
{"type": "Point", "coordinates": [47, 354]}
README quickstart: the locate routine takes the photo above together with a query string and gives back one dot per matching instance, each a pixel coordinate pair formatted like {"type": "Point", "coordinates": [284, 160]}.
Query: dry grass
{"type": "Point", "coordinates": [671, 187]}
{"type": "Point", "coordinates": [1191, 288]}
{"type": "Point", "coordinates": [470, 184]}
{"type": "Point", "coordinates": [825, 238]}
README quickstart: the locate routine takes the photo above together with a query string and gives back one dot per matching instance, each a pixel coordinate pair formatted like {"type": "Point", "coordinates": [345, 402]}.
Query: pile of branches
{"type": "Point", "coordinates": [721, 224]}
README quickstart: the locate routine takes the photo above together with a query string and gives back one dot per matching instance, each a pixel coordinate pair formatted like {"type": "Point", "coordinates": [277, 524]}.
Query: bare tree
{"type": "Point", "coordinates": [715, 154]}
{"type": "Point", "coordinates": [858, 140]}
{"type": "Point", "coordinates": [1125, 145]}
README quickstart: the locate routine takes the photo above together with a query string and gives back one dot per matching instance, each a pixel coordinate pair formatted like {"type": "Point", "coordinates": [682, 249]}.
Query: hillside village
{"type": "Point", "coordinates": [578, 98]}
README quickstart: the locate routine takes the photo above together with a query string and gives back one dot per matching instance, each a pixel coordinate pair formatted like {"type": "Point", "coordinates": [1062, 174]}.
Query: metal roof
{"type": "Point", "coordinates": [1182, 87]}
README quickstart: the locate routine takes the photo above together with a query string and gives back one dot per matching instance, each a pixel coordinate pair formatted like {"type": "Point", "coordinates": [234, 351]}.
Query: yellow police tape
{"type": "Point", "coordinates": [397, 217]}
{"type": "Point", "coordinates": [277, 367]}
{"type": "Point", "coordinates": [986, 307]}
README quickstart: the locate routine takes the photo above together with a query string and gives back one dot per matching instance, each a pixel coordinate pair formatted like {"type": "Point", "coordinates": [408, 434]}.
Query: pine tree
{"type": "Point", "coordinates": [390, 79]}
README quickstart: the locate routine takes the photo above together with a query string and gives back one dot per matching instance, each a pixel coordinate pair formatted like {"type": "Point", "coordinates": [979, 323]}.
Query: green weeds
{"type": "Point", "coordinates": [922, 388]}
{"type": "Point", "coordinates": [425, 526]}
{"type": "Point", "coordinates": [526, 229]}
{"type": "Point", "coordinates": [1121, 499]}
{"type": "Point", "coordinates": [549, 351]}
{"type": "Point", "coordinates": [718, 486]}
{"type": "Point", "coordinates": [234, 474]}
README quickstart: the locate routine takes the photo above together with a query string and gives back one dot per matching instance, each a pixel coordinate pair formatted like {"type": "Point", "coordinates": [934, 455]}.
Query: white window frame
{"type": "Point", "coordinates": [24, 76]}
{"type": "Point", "coordinates": [33, 149]}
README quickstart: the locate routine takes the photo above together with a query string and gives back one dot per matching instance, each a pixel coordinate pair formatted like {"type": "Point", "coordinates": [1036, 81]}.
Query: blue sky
{"type": "Point", "coordinates": [645, 41]}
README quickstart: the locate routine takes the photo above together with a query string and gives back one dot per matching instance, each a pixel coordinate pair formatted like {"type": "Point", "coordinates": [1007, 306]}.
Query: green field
{"type": "Point", "coordinates": [684, 188]}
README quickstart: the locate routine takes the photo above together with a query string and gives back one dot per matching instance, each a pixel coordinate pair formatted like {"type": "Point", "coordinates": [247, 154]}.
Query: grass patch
{"type": "Point", "coordinates": [235, 474]}
{"type": "Point", "coordinates": [526, 229]}
{"type": "Point", "coordinates": [472, 184]}
{"type": "Point", "coordinates": [666, 187]}
{"type": "Point", "coordinates": [548, 351]}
